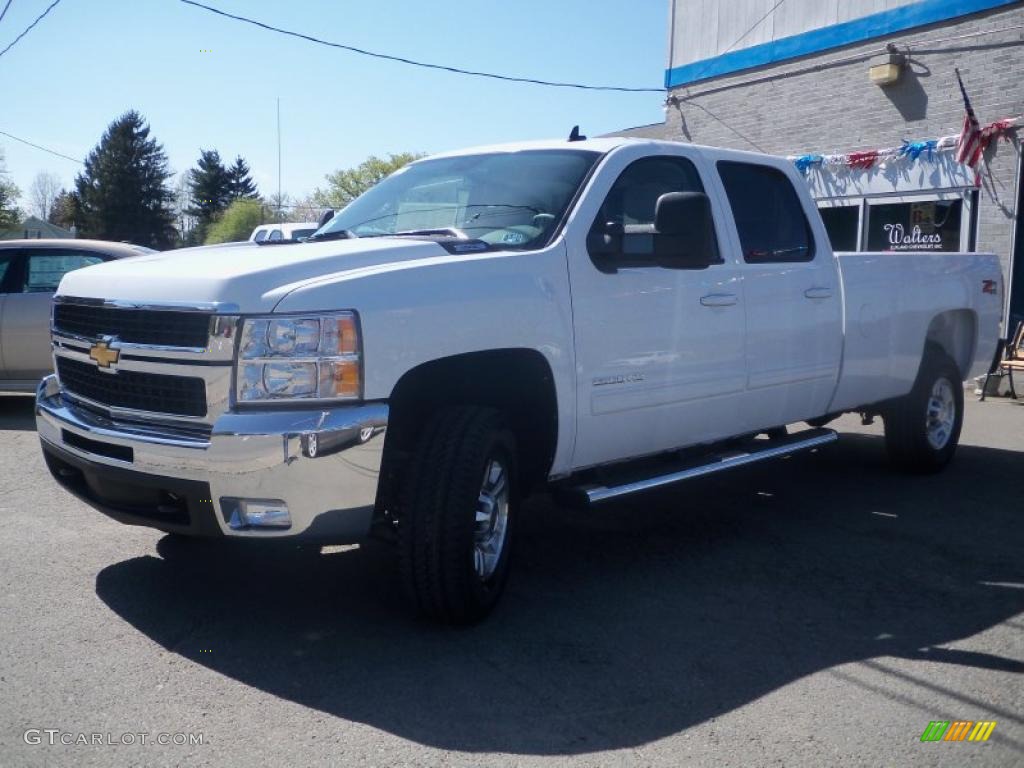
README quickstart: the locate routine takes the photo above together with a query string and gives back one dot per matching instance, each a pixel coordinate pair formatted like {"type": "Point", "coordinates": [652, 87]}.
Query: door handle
{"type": "Point", "coordinates": [718, 300]}
{"type": "Point", "coordinates": [818, 293]}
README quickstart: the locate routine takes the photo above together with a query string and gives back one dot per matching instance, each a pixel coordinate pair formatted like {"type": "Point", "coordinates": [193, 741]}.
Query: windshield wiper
{"type": "Point", "coordinates": [443, 231]}
{"type": "Point", "coordinates": [338, 234]}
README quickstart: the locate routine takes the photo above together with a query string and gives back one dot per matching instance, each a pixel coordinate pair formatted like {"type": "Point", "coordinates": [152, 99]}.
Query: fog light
{"type": "Point", "coordinates": [259, 513]}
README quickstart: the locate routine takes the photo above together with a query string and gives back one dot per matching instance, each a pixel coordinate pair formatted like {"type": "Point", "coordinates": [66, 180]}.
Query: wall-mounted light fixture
{"type": "Point", "coordinates": [887, 68]}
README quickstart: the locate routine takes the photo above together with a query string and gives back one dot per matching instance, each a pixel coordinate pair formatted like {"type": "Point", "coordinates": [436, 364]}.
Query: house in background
{"type": "Point", "coordinates": [34, 229]}
{"type": "Point", "coordinates": [817, 79]}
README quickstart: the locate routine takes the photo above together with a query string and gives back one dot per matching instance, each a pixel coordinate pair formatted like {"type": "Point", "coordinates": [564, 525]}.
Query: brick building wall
{"type": "Point", "coordinates": [826, 104]}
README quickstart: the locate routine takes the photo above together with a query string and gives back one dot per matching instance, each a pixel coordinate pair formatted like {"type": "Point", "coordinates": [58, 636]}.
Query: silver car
{"type": "Point", "coordinates": [30, 271]}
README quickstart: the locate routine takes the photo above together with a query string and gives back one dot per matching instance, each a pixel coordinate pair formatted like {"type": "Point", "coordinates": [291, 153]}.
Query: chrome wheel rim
{"type": "Point", "coordinates": [491, 524]}
{"type": "Point", "coordinates": [941, 414]}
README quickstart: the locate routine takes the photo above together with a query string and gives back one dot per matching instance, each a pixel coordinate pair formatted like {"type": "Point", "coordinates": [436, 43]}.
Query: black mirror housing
{"type": "Point", "coordinates": [325, 217]}
{"type": "Point", "coordinates": [684, 230]}
{"type": "Point", "coordinates": [606, 239]}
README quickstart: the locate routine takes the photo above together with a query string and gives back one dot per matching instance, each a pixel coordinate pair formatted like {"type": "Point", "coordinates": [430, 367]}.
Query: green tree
{"type": "Point", "coordinates": [346, 185]}
{"type": "Point", "coordinates": [10, 216]}
{"type": "Point", "coordinates": [66, 210]}
{"type": "Point", "coordinates": [237, 222]}
{"type": "Point", "coordinates": [210, 187]}
{"type": "Point", "coordinates": [305, 209]}
{"type": "Point", "coordinates": [240, 183]}
{"type": "Point", "coordinates": [123, 190]}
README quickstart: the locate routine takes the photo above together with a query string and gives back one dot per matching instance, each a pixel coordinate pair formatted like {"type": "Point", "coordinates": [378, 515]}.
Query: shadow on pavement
{"type": "Point", "coordinates": [620, 626]}
{"type": "Point", "coordinates": [17, 412]}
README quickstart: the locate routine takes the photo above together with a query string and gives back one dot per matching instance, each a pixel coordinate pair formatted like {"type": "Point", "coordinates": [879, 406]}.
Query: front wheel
{"type": "Point", "coordinates": [922, 430]}
{"type": "Point", "coordinates": [457, 515]}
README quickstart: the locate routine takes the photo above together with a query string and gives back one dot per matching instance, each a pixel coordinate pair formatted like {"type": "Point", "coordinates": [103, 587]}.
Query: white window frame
{"type": "Point", "coordinates": [865, 202]}
{"type": "Point", "coordinates": [849, 202]}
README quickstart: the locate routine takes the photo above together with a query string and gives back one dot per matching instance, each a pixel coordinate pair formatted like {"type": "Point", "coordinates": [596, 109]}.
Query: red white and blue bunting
{"type": "Point", "coordinates": [907, 152]}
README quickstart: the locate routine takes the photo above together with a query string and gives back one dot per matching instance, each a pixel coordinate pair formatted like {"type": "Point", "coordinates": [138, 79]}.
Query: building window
{"type": "Point", "coordinates": [927, 225]}
{"type": "Point", "coordinates": [842, 222]}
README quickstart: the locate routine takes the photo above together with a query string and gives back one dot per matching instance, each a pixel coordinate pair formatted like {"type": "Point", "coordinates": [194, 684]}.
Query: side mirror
{"type": "Point", "coordinates": [684, 230]}
{"type": "Point", "coordinates": [606, 239]}
{"type": "Point", "coordinates": [325, 217]}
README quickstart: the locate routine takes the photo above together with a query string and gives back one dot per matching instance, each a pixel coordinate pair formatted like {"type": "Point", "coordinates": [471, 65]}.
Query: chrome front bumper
{"type": "Point", "coordinates": [324, 464]}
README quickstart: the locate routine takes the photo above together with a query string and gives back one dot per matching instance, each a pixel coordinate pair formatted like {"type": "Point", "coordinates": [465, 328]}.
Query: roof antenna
{"type": "Point", "coordinates": [574, 134]}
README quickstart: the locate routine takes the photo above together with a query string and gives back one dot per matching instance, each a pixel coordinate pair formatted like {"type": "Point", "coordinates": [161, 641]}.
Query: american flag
{"type": "Point", "coordinates": [971, 144]}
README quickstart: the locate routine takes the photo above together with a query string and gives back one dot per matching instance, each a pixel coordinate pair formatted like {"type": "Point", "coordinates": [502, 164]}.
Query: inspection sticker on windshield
{"type": "Point", "coordinates": [464, 247]}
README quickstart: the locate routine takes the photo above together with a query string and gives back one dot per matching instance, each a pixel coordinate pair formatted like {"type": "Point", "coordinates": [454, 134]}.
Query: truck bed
{"type": "Point", "coordinates": [881, 356]}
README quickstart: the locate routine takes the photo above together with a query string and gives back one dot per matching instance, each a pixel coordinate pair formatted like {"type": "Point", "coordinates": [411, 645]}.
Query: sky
{"type": "Point", "coordinates": [206, 82]}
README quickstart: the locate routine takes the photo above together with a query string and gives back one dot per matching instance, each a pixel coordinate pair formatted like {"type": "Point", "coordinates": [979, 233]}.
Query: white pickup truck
{"type": "Point", "coordinates": [601, 316]}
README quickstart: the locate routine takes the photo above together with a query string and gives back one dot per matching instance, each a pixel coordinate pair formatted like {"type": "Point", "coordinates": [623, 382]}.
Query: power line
{"type": "Point", "coordinates": [52, 152]}
{"type": "Point", "coordinates": [29, 28]}
{"type": "Point", "coordinates": [4, 11]}
{"type": "Point", "coordinates": [716, 118]}
{"type": "Point", "coordinates": [754, 26]}
{"type": "Point", "coordinates": [737, 41]}
{"type": "Point", "coordinates": [677, 101]}
{"type": "Point", "coordinates": [425, 65]}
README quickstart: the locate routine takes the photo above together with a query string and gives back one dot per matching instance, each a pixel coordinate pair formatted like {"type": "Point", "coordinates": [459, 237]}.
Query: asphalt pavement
{"type": "Point", "coordinates": [818, 610]}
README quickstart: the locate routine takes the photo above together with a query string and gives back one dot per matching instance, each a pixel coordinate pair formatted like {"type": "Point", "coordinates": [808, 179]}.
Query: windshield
{"type": "Point", "coordinates": [509, 199]}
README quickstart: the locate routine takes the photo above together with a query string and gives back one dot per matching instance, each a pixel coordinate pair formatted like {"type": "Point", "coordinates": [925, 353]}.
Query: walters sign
{"type": "Point", "coordinates": [915, 240]}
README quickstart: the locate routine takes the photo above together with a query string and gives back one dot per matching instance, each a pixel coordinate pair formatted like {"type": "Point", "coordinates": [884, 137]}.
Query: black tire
{"type": "Point", "coordinates": [907, 422]}
{"type": "Point", "coordinates": [437, 517]}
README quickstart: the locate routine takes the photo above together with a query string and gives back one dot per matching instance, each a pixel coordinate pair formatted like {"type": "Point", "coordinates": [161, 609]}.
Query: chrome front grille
{"type": "Point", "coordinates": [134, 326]}
{"type": "Point", "coordinates": [185, 382]}
{"type": "Point", "coordinates": [135, 390]}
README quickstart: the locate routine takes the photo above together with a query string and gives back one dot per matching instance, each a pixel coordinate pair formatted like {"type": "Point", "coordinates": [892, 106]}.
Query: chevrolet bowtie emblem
{"type": "Point", "coordinates": [103, 354]}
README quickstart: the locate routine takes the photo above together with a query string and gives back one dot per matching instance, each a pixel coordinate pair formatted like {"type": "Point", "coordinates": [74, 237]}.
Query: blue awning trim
{"type": "Point", "coordinates": [855, 31]}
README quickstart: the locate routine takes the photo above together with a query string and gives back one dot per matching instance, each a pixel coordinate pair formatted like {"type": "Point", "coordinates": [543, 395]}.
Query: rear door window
{"type": "Point", "coordinates": [46, 268]}
{"type": "Point", "coordinates": [769, 218]}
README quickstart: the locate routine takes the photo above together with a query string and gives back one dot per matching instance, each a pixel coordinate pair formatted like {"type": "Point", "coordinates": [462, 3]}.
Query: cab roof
{"type": "Point", "coordinates": [602, 144]}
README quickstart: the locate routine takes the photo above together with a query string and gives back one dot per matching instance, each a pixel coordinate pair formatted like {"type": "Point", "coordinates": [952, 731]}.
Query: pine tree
{"type": "Point", "coordinates": [66, 210]}
{"type": "Point", "coordinates": [241, 184]}
{"type": "Point", "coordinates": [123, 190]}
{"type": "Point", "coordinates": [210, 187]}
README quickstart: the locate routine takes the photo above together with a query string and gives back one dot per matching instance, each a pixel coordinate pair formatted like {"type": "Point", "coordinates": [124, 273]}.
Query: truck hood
{"type": "Point", "coordinates": [252, 277]}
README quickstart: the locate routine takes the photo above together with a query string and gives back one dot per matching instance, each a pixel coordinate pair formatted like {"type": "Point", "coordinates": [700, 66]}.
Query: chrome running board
{"type": "Point", "coordinates": [708, 465]}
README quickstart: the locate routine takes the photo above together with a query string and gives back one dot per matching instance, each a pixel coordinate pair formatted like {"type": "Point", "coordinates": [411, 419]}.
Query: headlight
{"type": "Point", "coordinates": [314, 357]}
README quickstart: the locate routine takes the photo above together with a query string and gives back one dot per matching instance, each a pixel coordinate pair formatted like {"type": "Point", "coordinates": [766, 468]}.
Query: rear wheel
{"type": "Point", "coordinates": [457, 515]}
{"type": "Point", "coordinates": [922, 430]}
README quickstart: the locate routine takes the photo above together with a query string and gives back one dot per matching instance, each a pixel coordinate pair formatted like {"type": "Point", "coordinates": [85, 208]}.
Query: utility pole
{"type": "Point", "coordinates": [279, 158]}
